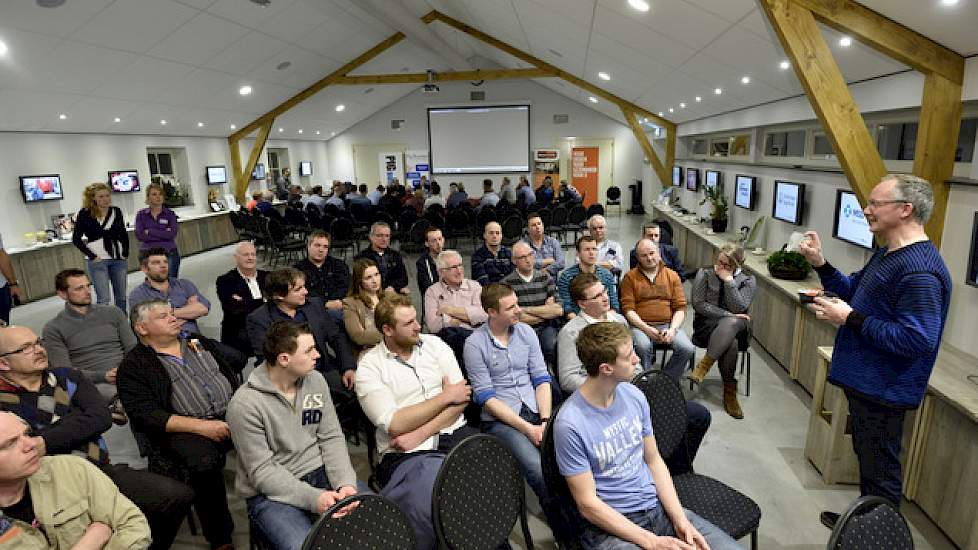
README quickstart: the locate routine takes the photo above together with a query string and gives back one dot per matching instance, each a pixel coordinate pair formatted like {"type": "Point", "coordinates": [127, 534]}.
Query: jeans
{"type": "Point", "coordinates": [698, 420]}
{"type": "Point", "coordinates": [656, 521]}
{"type": "Point", "coordinates": [547, 334]}
{"type": "Point", "coordinates": [5, 303]}
{"type": "Point", "coordinates": [104, 272]}
{"type": "Point", "coordinates": [877, 433]}
{"type": "Point", "coordinates": [284, 526]}
{"type": "Point", "coordinates": [164, 501]}
{"type": "Point", "coordinates": [173, 263]}
{"type": "Point", "coordinates": [682, 350]}
{"type": "Point", "coordinates": [204, 460]}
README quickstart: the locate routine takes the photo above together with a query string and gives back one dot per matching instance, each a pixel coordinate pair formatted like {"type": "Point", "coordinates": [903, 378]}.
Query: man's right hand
{"type": "Point", "coordinates": [457, 393]}
{"type": "Point", "coordinates": [534, 432]}
{"type": "Point", "coordinates": [110, 375]}
{"type": "Point", "coordinates": [654, 334]}
{"type": "Point", "coordinates": [811, 249]}
{"type": "Point", "coordinates": [327, 499]}
{"type": "Point", "coordinates": [216, 430]}
{"type": "Point", "coordinates": [653, 542]}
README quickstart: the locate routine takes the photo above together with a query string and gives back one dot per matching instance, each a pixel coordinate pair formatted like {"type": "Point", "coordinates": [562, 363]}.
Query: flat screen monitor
{"type": "Point", "coordinates": [746, 192]}
{"type": "Point", "coordinates": [850, 224]}
{"type": "Point", "coordinates": [259, 172]}
{"type": "Point", "coordinates": [692, 179]}
{"type": "Point", "coordinates": [973, 256]}
{"type": "Point", "coordinates": [305, 167]}
{"type": "Point", "coordinates": [41, 188]}
{"type": "Point", "coordinates": [124, 181]}
{"type": "Point", "coordinates": [712, 179]}
{"type": "Point", "coordinates": [789, 201]}
{"type": "Point", "coordinates": [677, 176]}
{"type": "Point", "coordinates": [217, 175]}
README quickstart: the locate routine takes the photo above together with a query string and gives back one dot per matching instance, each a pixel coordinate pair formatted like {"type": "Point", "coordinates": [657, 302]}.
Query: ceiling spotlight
{"type": "Point", "coordinates": [234, 126]}
{"type": "Point", "coordinates": [200, 124]}
{"type": "Point", "coordinates": [949, 3]}
{"type": "Point", "coordinates": [785, 65]}
{"type": "Point", "coordinates": [660, 113]}
{"type": "Point", "coordinates": [280, 130]}
{"type": "Point", "coordinates": [698, 99]}
{"type": "Point", "coordinates": [671, 110]}
{"type": "Point", "coordinates": [640, 5]}
{"type": "Point", "coordinates": [845, 41]}
{"type": "Point", "coordinates": [682, 105]}
{"type": "Point", "coordinates": [163, 122]}
{"type": "Point", "coordinates": [718, 91]}
{"type": "Point", "coordinates": [592, 99]}
{"type": "Point", "coordinates": [340, 108]}
{"type": "Point", "coordinates": [604, 76]}
{"type": "Point", "coordinates": [332, 134]}
{"type": "Point", "coordinates": [300, 131]}
{"type": "Point", "coordinates": [63, 116]}
{"type": "Point", "coordinates": [245, 90]}
{"type": "Point", "coordinates": [116, 119]}
{"type": "Point", "coordinates": [3, 48]}
{"type": "Point", "coordinates": [318, 132]}
{"type": "Point", "coordinates": [745, 80]}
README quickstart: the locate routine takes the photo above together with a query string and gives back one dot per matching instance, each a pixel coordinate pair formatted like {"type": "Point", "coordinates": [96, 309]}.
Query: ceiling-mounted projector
{"type": "Point", "coordinates": [430, 87]}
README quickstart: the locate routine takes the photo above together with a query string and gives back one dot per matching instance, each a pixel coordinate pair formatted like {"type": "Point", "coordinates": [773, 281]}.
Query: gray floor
{"type": "Point", "coordinates": [761, 455]}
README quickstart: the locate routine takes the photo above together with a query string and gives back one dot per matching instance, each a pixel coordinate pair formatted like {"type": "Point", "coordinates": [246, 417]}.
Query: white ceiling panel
{"type": "Point", "coordinates": [26, 109]}
{"type": "Point", "coordinates": [200, 39]}
{"type": "Point", "coordinates": [28, 51]}
{"type": "Point", "coordinates": [305, 68]}
{"type": "Point", "coordinates": [953, 26]}
{"type": "Point", "coordinates": [198, 4]}
{"type": "Point", "coordinates": [96, 114]}
{"type": "Point", "coordinates": [751, 55]}
{"type": "Point", "coordinates": [145, 79]}
{"type": "Point", "coordinates": [858, 62]}
{"type": "Point", "coordinates": [75, 67]}
{"type": "Point", "coordinates": [682, 22]}
{"type": "Point", "coordinates": [134, 25]}
{"type": "Point", "coordinates": [758, 24]}
{"type": "Point", "coordinates": [581, 11]}
{"type": "Point", "coordinates": [612, 27]}
{"type": "Point", "coordinates": [729, 10]}
{"type": "Point", "coordinates": [63, 21]}
{"type": "Point", "coordinates": [245, 55]}
{"type": "Point", "coordinates": [246, 13]}
{"type": "Point", "coordinates": [297, 20]}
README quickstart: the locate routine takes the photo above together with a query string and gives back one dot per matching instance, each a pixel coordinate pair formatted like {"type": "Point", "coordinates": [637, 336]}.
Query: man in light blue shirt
{"type": "Point", "coordinates": [316, 197]}
{"type": "Point", "coordinates": [587, 262]}
{"type": "Point", "coordinates": [547, 251]}
{"type": "Point", "coordinates": [375, 195]}
{"type": "Point", "coordinates": [187, 302]}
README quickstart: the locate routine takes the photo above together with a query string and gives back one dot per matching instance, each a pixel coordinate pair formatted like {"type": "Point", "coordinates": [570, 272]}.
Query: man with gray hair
{"type": "Point", "coordinates": [610, 254]}
{"type": "Point", "coordinates": [393, 274]}
{"type": "Point", "coordinates": [453, 305]}
{"type": "Point", "coordinates": [890, 316]}
{"type": "Point", "coordinates": [241, 291]}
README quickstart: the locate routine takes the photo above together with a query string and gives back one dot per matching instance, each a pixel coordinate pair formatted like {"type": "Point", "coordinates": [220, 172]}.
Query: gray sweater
{"type": "Point", "coordinates": [278, 442]}
{"type": "Point", "coordinates": [93, 343]}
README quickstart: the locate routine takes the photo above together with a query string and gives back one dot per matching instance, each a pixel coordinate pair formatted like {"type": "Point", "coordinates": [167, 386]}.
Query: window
{"type": "Point", "coordinates": [966, 140]}
{"type": "Point", "coordinates": [785, 144]}
{"type": "Point", "coordinates": [720, 148]}
{"type": "Point", "coordinates": [821, 146]}
{"type": "Point", "coordinates": [896, 141]}
{"type": "Point", "coordinates": [160, 164]}
{"type": "Point", "coordinates": [701, 147]}
{"type": "Point", "coordinates": [740, 145]}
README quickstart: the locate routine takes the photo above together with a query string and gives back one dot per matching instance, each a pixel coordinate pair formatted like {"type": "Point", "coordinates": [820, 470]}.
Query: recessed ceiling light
{"type": "Point", "coordinates": [234, 126]}
{"type": "Point", "coordinates": [340, 108]}
{"type": "Point", "coordinates": [682, 105]}
{"type": "Point", "coordinates": [604, 76]}
{"type": "Point", "coordinates": [671, 110]}
{"type": "Point", "coordinates": [698, 99]}
{"type": "Point", "coordinates": [62, 116]}
{"type": "Point", "coordinates": [845, 42]}
{"type": "Point", "coordinates": [640, 5]}
{"type": "Point", "coordinates": [718, 91]}
{"type": "Point", "coordinates": [283, 65]}
{"type": "Point", "coordinates": [116, 119]}
{"type": "Point", "coordinates": [200, 124]}
{"type": "Point", "coordinates": [281, 130]}
{"type": "Point", "coordinates": [745, 79]}
{"type": "Point", "coordinates": [660, 113]}
{"type": "Point", "coordinates": [3, 48]}
{"type": "Point", "coordinates": [318, 132]}
{"type": "Point", "coordinates": [332, 134]}
{"type": "Point", "coordinates": [785, 65]}
{"type": "Point", "coordinates": [163, 122]}
{"type": "Point", "coordinates": [592, 99]}
{"type": "Point", "coordinates": [245, 90]}
{"type": "Point", "coordinates": [300, 131]}
{"type": "Point", "coordinates": [50, 3]}
{"type": "Point", "coordinates": [949, 2]}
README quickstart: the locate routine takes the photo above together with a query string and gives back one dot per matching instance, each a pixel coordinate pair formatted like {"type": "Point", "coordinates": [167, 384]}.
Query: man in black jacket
{"type": "Point", "coordinates": [176, 392]}
{"type": "Point", "coordinates": [67, 414]}
{"type": "Point", "coordinates": [241, 291]}
{"type": "Point", "coordinates": [427, 268]}
{"type": "Point", "coordinates": [393, 274]}
{"type": "Point", "coordinates": [326, 277]}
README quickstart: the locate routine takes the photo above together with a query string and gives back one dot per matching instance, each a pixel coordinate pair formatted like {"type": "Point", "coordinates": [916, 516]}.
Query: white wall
{"type": "Point", "coordinates": [85, 158]}
{"type": "Point", "coordinates": [584, 123]}
{"type": "Point", "coordinates": [962, 205]}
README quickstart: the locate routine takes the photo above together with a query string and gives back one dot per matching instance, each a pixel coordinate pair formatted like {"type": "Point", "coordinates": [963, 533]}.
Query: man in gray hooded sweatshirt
{"type": "Point", "coordinates": [292, 456]}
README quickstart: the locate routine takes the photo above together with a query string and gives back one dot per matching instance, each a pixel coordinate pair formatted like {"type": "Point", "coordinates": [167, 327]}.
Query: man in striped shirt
{"type": "Point", "coordinates": [537, 297]}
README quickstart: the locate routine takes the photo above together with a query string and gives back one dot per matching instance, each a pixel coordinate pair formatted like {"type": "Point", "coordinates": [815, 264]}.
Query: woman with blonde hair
{"type": "Point", "coordinates": [721, 296]}
{"type": "Point", "coordinates": [358, 306]}
{"type": "Point", "coordinates": [100, 234]}
{"type": "Point", "coordinates": [156, 226]}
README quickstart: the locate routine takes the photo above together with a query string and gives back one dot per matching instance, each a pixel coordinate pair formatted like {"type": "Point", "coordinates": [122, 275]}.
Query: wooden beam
{"type": "Point", "coordinates": [888, 37]}
{"type": "Point", "coordinates": [828, 93]}
{"type": "Point", "coordinates": [643, 141]}
{"type": "Point", "coordinates": [937, 139]}
{"type": "Point", "coordinates": [421, 78]}
{"type": "Point", "coordinates": [242, 174]}
{"type": "Point", "coordinates": [541, 64]}
{"type": "Point", "coordinates": [670, 153]}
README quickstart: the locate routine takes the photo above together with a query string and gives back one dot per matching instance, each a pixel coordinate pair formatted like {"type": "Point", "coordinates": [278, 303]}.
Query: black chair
{"type": "Point", "coordinates": [871, 523]}
{"type": "Point", "coordinates": [512, 229]}
{"type": "Point", "coordinates": [558, 218]}
{"type": "Point", "coordinates": [341, 231]}
{"type": "Point", "coordinates": [557, 485]}
{"type": "Point", "coordinates": [314, 216]}
{"type": "Point", "coordinates": [456, 226]}
{"type": "Point", "coordinates": [594, 210]}
{"type": "Point", "coordinates": [414, 241]}
{"type": "Point", "coordinates": [486, 215]}
{"type": "Point", "coordinates": [576, 219]}
{"type": "Point", "coordinates": [375, 523]}
{"type": "Point", "coordinates": [613, 197]}
{"type": "Point", "coordinates": [478, 495]}
{"type": "Point", "coordinates": [730, 510]}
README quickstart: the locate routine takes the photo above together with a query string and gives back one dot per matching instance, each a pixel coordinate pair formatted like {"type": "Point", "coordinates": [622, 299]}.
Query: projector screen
{"type": "Point", "coordinates": [479, 140]}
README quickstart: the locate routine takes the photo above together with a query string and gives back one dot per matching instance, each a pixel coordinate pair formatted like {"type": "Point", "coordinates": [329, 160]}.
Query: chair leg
{"type": "Point", "coordinates": [527, 539]}
{"type": "Point", "coordinates": [191, 523]}
{"type": "Point", "coordinates": [753, 540]}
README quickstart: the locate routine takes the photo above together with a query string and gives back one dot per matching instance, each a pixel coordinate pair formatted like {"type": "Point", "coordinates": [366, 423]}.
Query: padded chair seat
{"type": "Point", "coordinates": [727, 508]}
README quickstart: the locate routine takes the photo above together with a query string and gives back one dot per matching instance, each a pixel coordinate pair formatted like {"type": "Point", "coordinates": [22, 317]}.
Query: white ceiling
{"type": "Point", "coordinates": [183, 60]}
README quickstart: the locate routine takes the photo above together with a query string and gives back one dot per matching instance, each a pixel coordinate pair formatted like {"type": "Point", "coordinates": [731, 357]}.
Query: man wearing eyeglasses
{"type": "Point", "coordinates": [891, 316]}
{"type": "Point", "coordinates": [68, 416]}
{"type": "Point", "coordinates": [537, 296]}
{"type": "Point", "coordinates": [452, 306]}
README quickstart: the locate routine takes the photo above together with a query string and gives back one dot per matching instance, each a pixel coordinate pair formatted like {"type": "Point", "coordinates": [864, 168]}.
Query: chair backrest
{"type": "Point", "coordinates": [375, 523]}
{"type": "Point", "coordinates": [512, 229]}
{"type": "Point", "coordinates": [871, 523]}
{"type": "Point", "coordinates": [577, 214]}
{"type": "Point", "coordinates": [667, 407]}
{"type": "Point", "coordinates": [457, 220]}
{"type": "Point", "coordinates": [557, 485]}
{"type": "Point", "coordinates": [486, 215]}
{"type": "Point", "coordinates": [418, 229]}
{"type": "Point", "coordinates": [558, 216]}
{"type": "Point", "coordinates": [478, 495]}
{"type": "Point", "coordinates": [595, 210]}
{"type": "Point", "coordinates": [613, 194]}
{"type": "Point", "coordinates": [341, 229]}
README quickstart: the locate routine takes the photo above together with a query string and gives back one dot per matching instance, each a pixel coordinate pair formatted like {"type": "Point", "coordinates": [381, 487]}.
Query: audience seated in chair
{"type": "Point", "coordinates": [435, 197]}
{"type": "Point", "coordinates": [493, 260]}
{"type": "Point", "coordinates": [241, 291]}
{"type": "Point", "coordinates": [587, 262]}
{"type": "Point", "coordinates": [326, 277]}
{"type": "Point", "coordinates": [188, 302]}
{"type": "Point", "coordinates": [610, 254]}
{"type": "Point", "coordinates": [417, 410]}
{"type": "Point", "coordinates": [393, 274]}
{"type": "Point", "coordinates": [721, 296]}
{"type": "Point", "coordinates": [359, 306]}
{"type": "Point", "coordinates": [336, 197]}
{"type": "Point", "coordinates": [545, 193]}
{"type": "Point", "coordinates": [360, 198]}
{"type": "Point", "coordinates": [67, 415]}
{"type": "Point", "coordinates": [537, 296]}
{"type": "Point", "coordinates": [176, 391]}
{"type": "Point", "coordinates": [547, 253]}
{"type": "Point", "coordinates": [653, 301]}
{"type": "Point", "coordinates": [316, 198]}
{"type": "Point", "coordinates": [606, 451]}
{"type": "Point", "coordinates": [525, 197]}
{"type": "Point", "coordinates": [427, 269]}
{"type": "Point", "coordinates": [507, 192]}
{"type": "Point", "coordinates": [292, 462]}
{"type": "Point", "coordinates": [669, 253]}
{"type": "Point", "coordinates": [489, 197]}
{"type": "Point", "coordinates": [568, 193]}
{"type": "Point", "coordinates": [60, 501]}
{"type": "Point", "coordinates": [452, 306]}
{"type": "Point", "coordinates": [457, 195]}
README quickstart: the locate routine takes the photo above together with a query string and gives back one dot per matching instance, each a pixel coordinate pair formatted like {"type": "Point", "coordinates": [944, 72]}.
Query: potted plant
{"type": "Point", "coordinates": [718, 207]}
{"type": "Point", "coordinates": [791, 266]}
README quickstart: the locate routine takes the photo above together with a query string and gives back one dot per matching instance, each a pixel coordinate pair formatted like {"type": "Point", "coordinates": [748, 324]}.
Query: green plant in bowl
{"type": "Point", "coordinates": [791, 266]}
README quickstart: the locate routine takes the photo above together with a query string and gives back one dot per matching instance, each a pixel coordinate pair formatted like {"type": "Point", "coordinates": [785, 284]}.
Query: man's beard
{"type": "Point", "coordinates": [158, 278]}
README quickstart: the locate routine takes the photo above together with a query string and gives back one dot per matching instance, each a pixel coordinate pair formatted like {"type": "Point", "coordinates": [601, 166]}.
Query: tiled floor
{"type": "Point", "coordinates": [761, 455]}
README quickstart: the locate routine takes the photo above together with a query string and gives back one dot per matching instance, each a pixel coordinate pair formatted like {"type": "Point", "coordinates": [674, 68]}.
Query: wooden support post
{"type": "Point", "coordinates": [670, 153]}
{"type": "Point", "coordinates": [643, 141]}
{"type": "Point", "coordinates": [242, 174]}
{"type": "Point", "coordinates": [421, 78]}
{"type": "Point", "coordinates": [937, 139]}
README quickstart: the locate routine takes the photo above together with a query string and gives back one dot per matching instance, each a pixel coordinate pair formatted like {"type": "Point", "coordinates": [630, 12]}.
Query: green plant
{"type": "Point", "coordinates": [783, 259]}
{"type": "Point", "coordinates": [718, 202]}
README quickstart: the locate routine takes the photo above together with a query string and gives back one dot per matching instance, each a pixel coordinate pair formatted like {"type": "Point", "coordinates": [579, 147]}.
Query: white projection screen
{"type": "Point", "coordinates": [479, 140]}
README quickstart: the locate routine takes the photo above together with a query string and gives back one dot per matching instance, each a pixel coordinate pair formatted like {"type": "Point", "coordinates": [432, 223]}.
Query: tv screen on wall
{"type": "Point", "coordinates": [746, 192]}
{"type": "Point", "coordinates": [216, 175]}
{"type": "Point", "coordinates": [677, 176]}
{"type": "Point", "coordinates": [712, 179]}
{"type": "Point", "coordinates": [41, 188]}
{"type": "Point", "coordinates": [973, 256]}
{"type": "Point", "coordinates": [789, 201]}
{"type": "Point", "coordinates": [850, 223]}
{"type": "Point", "coordinates": [305, 167]}
{"type": "Point", "coordinates": [124, 181]}
{"type": "Point", "coordinates": [259, 172]}
{"type": "Point", "coordinates": [692, 179]}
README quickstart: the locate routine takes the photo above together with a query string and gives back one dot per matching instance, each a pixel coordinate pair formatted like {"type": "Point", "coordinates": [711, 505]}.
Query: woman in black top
{"type": "Point", "coordinates": [100, 233]}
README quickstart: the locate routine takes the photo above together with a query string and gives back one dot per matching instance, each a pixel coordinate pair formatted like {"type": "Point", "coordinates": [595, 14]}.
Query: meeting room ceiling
{"type": "Point", "coordinates": [124, 66]}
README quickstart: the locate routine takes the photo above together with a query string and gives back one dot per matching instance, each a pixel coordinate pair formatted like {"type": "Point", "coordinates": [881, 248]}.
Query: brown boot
{"type": "Point", "coordinates": [703, 367]}
{"type": "Point", "coordinates": [730, 403]}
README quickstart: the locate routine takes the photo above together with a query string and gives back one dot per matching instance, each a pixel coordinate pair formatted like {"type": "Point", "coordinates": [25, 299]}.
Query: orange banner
{"type": "Point", "coordinates": [584, 173]}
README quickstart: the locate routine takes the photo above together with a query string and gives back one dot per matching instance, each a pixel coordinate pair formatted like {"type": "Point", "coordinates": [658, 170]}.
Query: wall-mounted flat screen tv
{"type": "Point", "coordinates": [677, 176]}
{"type": "Point", "coordinates": [305, 167]}
{"type": "Point", "coordinates": [711, 179]}
{"type": "Point", "coordinates": [217, 175]}
{"type": "Point", "coordinates": [746, 192]}
{"type": "Point", "coordinates": [850, 223]}
{"type": "Point", "coordinates": [973, 256]}
{"type": "Point", "coordinates": [692, 179]}
{"type": "Point", "coordinates": [789, 201]}
{"type": "Point", "coordinates": [41, 188]}
{"type": "Point", "coordinates": [259, 172]}
{"type": "Point", "coordinates": [124, 181]}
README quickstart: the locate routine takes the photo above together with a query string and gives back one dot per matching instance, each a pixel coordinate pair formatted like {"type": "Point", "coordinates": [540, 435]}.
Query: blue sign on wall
{"type": "Point", "coordinates": [422, 168]}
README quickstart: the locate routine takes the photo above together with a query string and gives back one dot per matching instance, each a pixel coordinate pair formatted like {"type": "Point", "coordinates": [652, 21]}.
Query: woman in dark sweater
{"type": "Point", "coordinates": [100, 234]}
{"type": "Point", "coordinates": [157, 226]}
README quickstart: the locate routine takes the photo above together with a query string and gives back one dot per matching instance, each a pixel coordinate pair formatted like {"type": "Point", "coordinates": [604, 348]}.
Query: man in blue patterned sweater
{"type": "Point", "coordinates": [891, 317]}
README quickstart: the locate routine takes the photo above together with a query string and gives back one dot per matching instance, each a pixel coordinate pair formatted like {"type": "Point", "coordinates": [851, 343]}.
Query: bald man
{"type": "Point", "coordinates": [492, 261]}
{"type": "Point", "coordinates": [241, 291]}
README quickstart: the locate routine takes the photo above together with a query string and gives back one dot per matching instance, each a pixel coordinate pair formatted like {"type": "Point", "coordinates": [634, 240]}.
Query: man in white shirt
{"type": "Point", "coordinates": [411, 388]}
{"type": "Point", "coordinates": [610, 255]}
{"type": "Point", "coordinates": [241, 291]}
